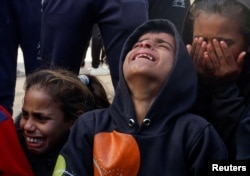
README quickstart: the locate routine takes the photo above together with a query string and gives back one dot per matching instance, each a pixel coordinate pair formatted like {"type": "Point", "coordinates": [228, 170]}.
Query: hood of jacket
{"type": "Point", "coordinates": [246, 3]}
{"type": "Point", "coordinates": [174, 99]}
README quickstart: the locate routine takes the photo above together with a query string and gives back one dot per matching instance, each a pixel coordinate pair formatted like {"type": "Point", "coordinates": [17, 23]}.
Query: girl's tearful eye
{"type": "Point", "coordinates": [42, 118]}
{"type": "Point", "coordinates": [25, 115]}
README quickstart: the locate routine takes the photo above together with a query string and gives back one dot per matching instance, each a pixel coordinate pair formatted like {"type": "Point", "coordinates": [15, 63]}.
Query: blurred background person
{"type": "Point", "coordinates": [67, 28]}
{"type": "Point", "coordinates": [20, 23]}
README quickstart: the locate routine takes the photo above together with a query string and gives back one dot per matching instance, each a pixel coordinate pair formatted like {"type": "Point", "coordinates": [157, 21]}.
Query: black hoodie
{"type": "Point", "coordinates": [170, 141]}
{"type": "Point", "coordinates": [243, 131]}
{"type": "Point", "coordinates": [225, 105]}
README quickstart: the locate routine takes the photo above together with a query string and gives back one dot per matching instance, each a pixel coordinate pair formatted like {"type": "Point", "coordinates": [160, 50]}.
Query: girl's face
{"type": "Point", "coordinates": [214, 26]}
{"type": "Point", "coordinates": [42, 122]}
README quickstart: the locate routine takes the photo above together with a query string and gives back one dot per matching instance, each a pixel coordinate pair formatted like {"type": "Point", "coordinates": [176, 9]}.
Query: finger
{"type": "Point", "coordinates": [228, 58]}
{"type": "Point", "coordinates": [189, 49]}
{"type": "Point", "coordinates": [197, 53]}
{"type": "Point", "coordinates": [212, 56]}
{"type": "Point", "coordinates": [208, 65]}
{"type": "Point", "coordinates": [241, 58]}
{"type": "Point", "coordinates": [194, 45]}
{"type": "Point", "coordinates": [203, 49]}
{"type": "Point", "coordinates": [219, 58]}
{"type": "Point", "coordinates": [199, 58]}
{"type": "Point", "coordinates": [198, 46]}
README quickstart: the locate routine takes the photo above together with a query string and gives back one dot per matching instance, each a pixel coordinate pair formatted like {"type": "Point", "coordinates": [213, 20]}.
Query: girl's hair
{"type": "Point", "coordinates": [227, 8]}
{"type": "Point", "coordinates": [66, 89]}
{"type": "Point", "coordinates": [98, 91]}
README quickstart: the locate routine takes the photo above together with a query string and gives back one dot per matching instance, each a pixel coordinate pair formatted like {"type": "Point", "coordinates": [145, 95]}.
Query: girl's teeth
{"type": "Point", "coordinates": [35, 140]}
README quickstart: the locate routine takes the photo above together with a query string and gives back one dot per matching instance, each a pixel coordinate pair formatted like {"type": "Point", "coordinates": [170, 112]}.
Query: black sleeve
{"type": "Point", "coordinates": [228, 108]}
{"type": "Point", "coordinates": [243, 136]}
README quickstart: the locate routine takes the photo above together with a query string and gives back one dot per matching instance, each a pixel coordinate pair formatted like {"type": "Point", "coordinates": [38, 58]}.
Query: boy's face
{"type": "Point", "coordinates": [214, 26]}
{"type": "Point", "coordinates": [151, 57]}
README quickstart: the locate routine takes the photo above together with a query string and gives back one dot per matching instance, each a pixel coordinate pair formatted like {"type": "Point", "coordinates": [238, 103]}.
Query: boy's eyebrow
{"type": "Point", "coordinates": [159, 40]}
